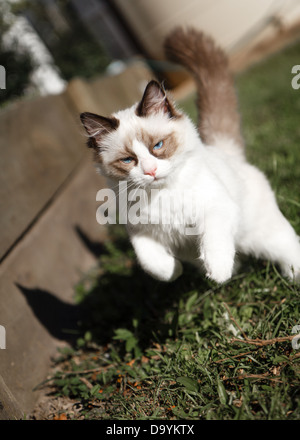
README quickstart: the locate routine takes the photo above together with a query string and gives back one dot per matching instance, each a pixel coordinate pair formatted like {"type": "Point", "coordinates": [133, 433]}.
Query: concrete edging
{"type": "Point", "coordinates": [51, 250]}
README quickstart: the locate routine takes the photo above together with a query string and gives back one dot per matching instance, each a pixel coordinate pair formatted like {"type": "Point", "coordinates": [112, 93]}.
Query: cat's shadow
{"type": "Point", "coordinates": [117, 297]}
{"type": "Point", "coordinates": [124, 296]}
{"type": "Point", "coordinates": [60, 318]}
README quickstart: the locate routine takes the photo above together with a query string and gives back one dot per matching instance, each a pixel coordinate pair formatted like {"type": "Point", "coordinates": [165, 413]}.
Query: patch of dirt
{"type": "Point", "coordinates": [51, 407]}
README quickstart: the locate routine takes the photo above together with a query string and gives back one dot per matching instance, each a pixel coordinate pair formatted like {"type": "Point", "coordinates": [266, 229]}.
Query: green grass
{"type": "Point", "coordinates": [191, 349]}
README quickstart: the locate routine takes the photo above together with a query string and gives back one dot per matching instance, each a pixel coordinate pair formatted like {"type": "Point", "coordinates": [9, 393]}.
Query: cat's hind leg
{"type": "Point", "coordinates": [289, 259]}
{"type": "Point", "coordinates": [279, 243]}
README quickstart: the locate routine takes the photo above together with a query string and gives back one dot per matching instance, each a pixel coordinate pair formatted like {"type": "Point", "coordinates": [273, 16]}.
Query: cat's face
{"type": "Point", "coordinates": [142, 144]}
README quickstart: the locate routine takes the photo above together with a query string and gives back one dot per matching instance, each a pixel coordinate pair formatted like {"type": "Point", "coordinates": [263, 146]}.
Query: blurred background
{"type": "Point", "coordinates": [46, 43]}
{"type": "Point", "coordinates": [59, 58]}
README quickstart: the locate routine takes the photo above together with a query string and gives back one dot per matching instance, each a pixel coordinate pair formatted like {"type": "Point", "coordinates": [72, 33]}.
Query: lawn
{"type": "Point", "coordinates": [191, 349]}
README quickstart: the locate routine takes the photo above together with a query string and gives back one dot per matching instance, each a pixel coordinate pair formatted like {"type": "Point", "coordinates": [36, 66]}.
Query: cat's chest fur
{"type": "Point", "coordinates": [173, 236]}
{"type": "Point", "coordinates": [176, 214]}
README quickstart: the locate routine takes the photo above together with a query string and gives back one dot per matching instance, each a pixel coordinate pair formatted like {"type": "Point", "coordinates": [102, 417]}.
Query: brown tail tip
{"type": "Point", "coordinates": [193, 48]}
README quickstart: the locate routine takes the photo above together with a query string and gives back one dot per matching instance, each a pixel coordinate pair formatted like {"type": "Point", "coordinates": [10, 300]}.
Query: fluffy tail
{"type": "Point", "coordinates": [217, 102]}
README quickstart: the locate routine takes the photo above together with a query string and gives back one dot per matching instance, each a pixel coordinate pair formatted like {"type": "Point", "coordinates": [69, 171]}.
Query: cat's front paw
{"type": "Point", "coordinates": [292, 274]}
{"type": "Point", "coordinates": [166, 268]}
{"type": "Point", "coordinates": [218, 268]}
{"type": "Point", "coordinates": [219, 277]}
{"type": "Point", "coordinates": [170, 271]}
{"type": "Point", "coordinates": [155, 260]}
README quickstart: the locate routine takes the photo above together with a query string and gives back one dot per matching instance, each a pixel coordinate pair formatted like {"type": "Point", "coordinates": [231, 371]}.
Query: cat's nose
{"type": "Point", "coordinates": [149, 167]}
{"type": "Point", "coordinates": [151, 172]}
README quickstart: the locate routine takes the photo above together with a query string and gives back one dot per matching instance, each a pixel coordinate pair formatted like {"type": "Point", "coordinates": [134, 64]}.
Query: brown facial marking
{"type": "Point", "coordinates": [146, 138]}
{"type": "Point", "coordinates": [120, 168]}
{"type": "Point", "coordinates": [169, 147]}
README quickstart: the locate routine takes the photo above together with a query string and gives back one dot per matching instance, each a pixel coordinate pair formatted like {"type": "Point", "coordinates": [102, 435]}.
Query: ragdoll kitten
{"type": "Point", "coordinates": [153, 145]}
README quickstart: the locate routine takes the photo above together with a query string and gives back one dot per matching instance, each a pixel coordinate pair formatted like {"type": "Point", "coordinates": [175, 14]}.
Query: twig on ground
{"type": "Point", "coordinates": [258, 342]}
{"type": "Point", "coordinates": [263, 342]}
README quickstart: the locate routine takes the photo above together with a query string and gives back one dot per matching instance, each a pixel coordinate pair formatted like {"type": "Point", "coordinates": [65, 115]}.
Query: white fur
{"type": "Point", "coordinates": [237, 209]}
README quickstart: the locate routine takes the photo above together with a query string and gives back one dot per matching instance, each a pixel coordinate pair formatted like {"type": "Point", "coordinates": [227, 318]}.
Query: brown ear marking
{"type": "Point", "coordinates": [97, 126]}
{"type": "Point", "coordinates": [155, 100]}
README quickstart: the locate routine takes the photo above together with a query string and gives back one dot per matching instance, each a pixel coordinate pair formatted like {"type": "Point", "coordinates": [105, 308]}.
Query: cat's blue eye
{"type": "Point", "coordinates": [158, 145]}
{"type": "Point", "coordinates": [127, 160]}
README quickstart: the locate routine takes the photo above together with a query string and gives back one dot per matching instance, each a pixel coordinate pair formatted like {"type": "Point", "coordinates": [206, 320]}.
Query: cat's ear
{"type": "Point", "coordinates": [97, 126]}
{"type": "Point", "coordinates": [155, 100]}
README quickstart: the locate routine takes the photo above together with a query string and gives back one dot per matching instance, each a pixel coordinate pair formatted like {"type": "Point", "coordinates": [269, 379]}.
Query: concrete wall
{"type": "Point", "coordinates": [233, 23]}
{"type": "Point", "coordinates": [48, 225]}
